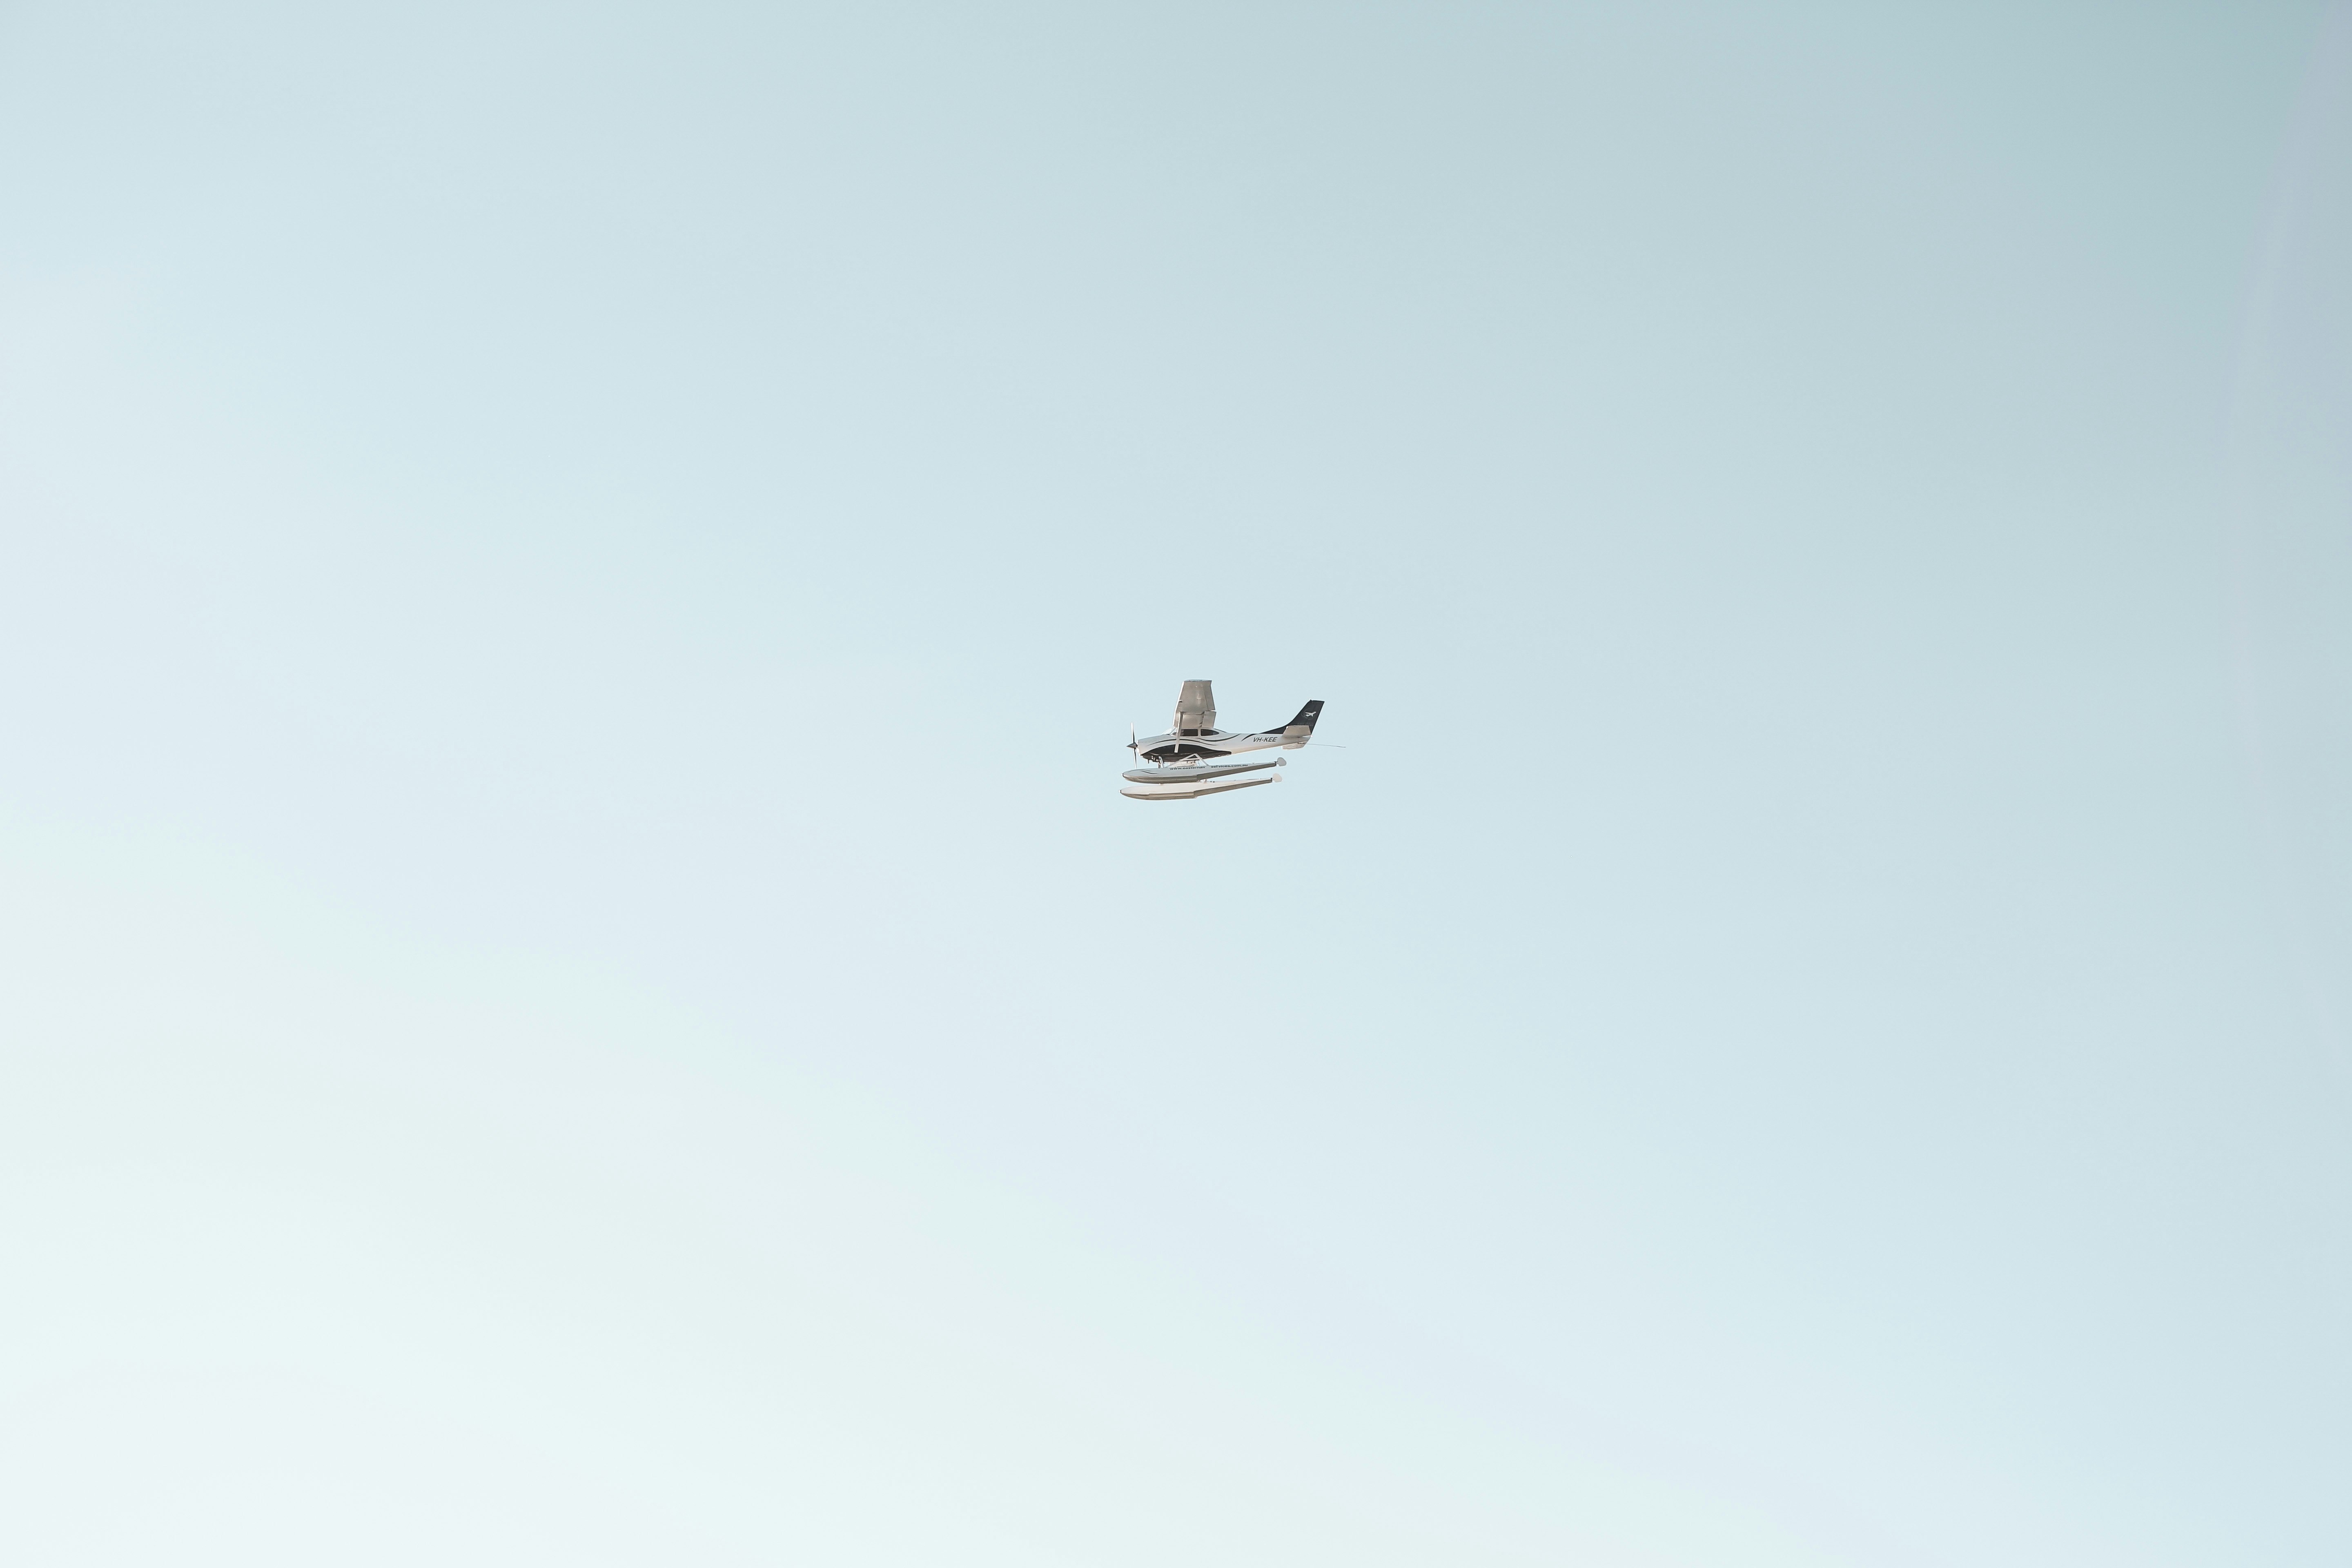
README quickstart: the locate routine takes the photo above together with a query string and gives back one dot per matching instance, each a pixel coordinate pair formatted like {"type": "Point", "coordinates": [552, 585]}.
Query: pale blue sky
{"type": "Point", "coordinates": [577, 989]}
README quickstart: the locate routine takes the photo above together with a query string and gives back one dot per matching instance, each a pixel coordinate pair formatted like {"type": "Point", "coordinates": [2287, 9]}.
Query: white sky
{"type": "Point", "coordinates": [574, 986]}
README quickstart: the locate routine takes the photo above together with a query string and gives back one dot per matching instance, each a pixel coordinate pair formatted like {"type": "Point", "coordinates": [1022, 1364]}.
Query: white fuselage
{"type": "Point", "coordinates": [1187, 745]}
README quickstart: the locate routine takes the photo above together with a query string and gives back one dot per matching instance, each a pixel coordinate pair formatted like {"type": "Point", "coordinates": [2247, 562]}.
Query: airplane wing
{"type": "Point", "coordinates": [1196, 709]}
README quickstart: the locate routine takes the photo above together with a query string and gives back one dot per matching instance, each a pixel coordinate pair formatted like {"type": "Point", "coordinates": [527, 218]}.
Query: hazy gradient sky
{"type": "Point", "coordinates": [576, 987]}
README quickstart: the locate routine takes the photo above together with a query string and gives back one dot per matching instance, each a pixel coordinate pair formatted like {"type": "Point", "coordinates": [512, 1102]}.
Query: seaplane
{"type": "Point", "coordinates": [1185, 762]}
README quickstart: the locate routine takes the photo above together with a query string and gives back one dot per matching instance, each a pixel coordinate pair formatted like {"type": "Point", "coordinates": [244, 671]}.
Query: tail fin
{"type": "Point", "coordinates": [1294, 733]}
